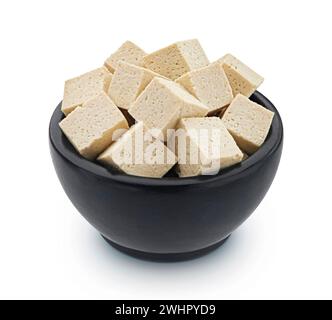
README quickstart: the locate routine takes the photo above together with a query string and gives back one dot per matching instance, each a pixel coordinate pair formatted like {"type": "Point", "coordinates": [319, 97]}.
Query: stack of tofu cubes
{"type": "Point", "coordinates": [156, 96]}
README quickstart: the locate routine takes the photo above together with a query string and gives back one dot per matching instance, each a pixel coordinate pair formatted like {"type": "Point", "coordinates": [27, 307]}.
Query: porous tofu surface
{"type": "Point", "coordinates": [85, 87]}
{"type": "Point", "coordinates": [128, 82]}
{"type": "Point", "coordinates": [163, 103]}
{"type": "Point", "coordinates": [241, 78]}
{"type": "Point", "coordinates": [190, 106]}
{"type": "Point", "coordinates": [248, 122]}
{"type": "Point", "coordinates": [128, 52]}
{"type": "Point", "coordinates": [156, 107]}
{"type": "Point", "coordinates": [90, 128]}
{"type": "Point", "coordinates": [208, 146]}
{"type": "Point", "coordinates": [177, 59]}
{"type": "Point", "coordinates": [210, 85]}
{"type": "Point", "coordinates": [138, 153]}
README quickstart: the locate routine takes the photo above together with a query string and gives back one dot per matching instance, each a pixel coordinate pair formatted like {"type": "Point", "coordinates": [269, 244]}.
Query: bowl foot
{"type": "Point", "coordinates": [166, 257]}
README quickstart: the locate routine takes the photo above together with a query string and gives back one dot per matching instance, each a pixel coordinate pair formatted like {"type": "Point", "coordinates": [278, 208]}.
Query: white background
{"type": "Point", "coordinates": [47, 250]}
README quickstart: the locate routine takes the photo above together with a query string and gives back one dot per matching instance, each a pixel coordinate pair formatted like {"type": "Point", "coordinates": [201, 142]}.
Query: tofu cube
{"type": "Point", "coordinates": [248, 122]}
{"type": "Point", "coordinates": [138, 153]}
{"type": "Point", "coordinates": [241, 78]}
{"type": "Point", "coordinates": [177, 59]}
{"type": "Point", "coordinates": [93, 127]}
{"type": "Point", "coordinates": [209, 85]}
{"type": "Point", "coordinates": [204, 146]}
{"type": "Point", "coordinates": [128, 82]}
{"type": "Point", "coordinates": [128, 52]}
{"type": "Point", "coordinates": [85, 87]}
{"type": "Point", "coordinates": [163, 103]}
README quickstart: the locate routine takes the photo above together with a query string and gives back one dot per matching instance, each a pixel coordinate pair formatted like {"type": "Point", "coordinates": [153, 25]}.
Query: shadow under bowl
{"type": "Point", "coordinates": [168, 219]}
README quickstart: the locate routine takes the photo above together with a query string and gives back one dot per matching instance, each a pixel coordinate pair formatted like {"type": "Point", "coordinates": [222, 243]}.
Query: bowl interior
{"type": "Point", "coordinates": [64, 147]}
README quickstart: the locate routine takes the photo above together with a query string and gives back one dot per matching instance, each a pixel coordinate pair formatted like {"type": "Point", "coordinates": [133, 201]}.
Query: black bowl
{"type": "Point", "coordinates": [166, 219]}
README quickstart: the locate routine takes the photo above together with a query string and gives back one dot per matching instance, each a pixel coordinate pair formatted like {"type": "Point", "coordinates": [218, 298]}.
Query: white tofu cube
{"type": "Point", "coordinates": [209, 85]}
{"type": "Point", "coordinates": [163, 103]}
{"type": "Point", "coordinates": [93, 127]}
{"type": "Point", "coordinates": [241, 78]}
{"type": "Point", "coordinates": [128, 52]}
{"type": "Point", "coordinates": [248, 122]}
{"type": "Point", "coordinates": [128, 82]}
{"type": "Point", "coordinates": [138, 153]}
{"type": "Point", "coordinates": [85, 87]}
{"type": "Point", "coordinates": [204, 146]}
{"type": "Point", "coordinates": [177, 59]}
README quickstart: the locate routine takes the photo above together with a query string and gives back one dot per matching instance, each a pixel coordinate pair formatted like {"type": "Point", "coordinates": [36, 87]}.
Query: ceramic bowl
{"type": "Point", "coordinates": [171, 218]}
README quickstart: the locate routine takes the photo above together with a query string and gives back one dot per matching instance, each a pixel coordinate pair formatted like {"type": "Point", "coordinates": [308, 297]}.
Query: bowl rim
{"type": "Point", "coordinates": [271, 144]}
